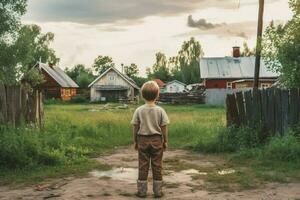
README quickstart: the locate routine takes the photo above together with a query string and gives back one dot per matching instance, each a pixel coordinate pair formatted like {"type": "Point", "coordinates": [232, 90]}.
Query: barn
{"type": "Point", "coordinates": [113, 86]}
{"type": "Point", "coordinates": [57, 84]}
{"type": "Point", "coordinates": [224, 75]}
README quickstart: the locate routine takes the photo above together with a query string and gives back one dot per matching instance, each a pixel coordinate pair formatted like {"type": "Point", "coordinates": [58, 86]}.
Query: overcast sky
{"type": "Point", "coordinates": [132, 31]}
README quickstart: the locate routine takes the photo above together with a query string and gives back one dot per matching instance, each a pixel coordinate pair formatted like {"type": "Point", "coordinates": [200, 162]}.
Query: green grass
{"type": "Point", "coordinates": [73, 133]}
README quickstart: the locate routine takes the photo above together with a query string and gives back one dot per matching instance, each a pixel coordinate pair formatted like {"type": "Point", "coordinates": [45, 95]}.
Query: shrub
{"type": "Point", "coordinates": [286, 148]}
{"type": "Point", "coordinates": [27, 147]}
{"type": "Point", "coordinates": [78, 99]}
{"type": "Point", "coordinates": [230, 140]}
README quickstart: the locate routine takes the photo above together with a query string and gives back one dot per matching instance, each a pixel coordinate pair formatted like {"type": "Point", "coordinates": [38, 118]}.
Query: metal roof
{"type": "Point", "coordinates": [229, 67]}
{"type": "Point", "coordinates": [58, 75]}
{"type": "Point", "coordinates": [125, 77]}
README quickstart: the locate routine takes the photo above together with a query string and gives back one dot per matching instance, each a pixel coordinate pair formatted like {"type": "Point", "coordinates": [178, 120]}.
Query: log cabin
{"type": "Point", "coordinates": [57, 84]}
{"type": "Point", "coordinates": [113, 86]}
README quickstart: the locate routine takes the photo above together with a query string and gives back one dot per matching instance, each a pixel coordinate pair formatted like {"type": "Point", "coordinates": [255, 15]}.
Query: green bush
{"type": "Point", "coordinates": [230, 140]}
{"type": "Point", "coordinates": [286, 148]}
{"type": "Point", "coordinates": [27, 147]}
{"type": "Point", "coordinates": [78, 99]}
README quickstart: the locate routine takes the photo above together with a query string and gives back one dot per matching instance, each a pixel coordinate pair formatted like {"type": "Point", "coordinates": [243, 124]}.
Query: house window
{"type": "Point", "coordinates": [229, 85]}
{"type": "Point", "coordinates": [67, 92]}
{"type": "Point", "coordinates": [111, 78]}
{"type": "Point", "coordinates": [265, 85]}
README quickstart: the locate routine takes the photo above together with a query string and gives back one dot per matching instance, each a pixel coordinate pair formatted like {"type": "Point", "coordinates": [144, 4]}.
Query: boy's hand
{"type": "Point", "coordinates": [165, 145]}
{"type": "Point", "coordinates": [135, 146]}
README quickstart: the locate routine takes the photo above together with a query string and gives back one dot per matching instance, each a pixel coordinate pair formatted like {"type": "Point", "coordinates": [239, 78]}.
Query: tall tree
{"type": "Point", "coordinates": [81, 75]}
{"type": "Point", "coordinates": [160, 68]}
{"type": "Point", "coordinates": [30, 46]}
{"type": "Point", "coordinates": [131, 70]}
{"type": "Point", "coordinates": [247, 51]}
{"type": "Point", "coordinates": [188, 61]}
{"type": "Point", "coordinates": [102, 63]}
{"type": "Point", "coordinates": [10, 13]}
{"type": "Point", "coordinates": [281, 48]}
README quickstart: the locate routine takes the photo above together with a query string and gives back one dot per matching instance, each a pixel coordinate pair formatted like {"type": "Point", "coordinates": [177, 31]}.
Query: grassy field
{"type": "Point", "coordinates": [74, 133]}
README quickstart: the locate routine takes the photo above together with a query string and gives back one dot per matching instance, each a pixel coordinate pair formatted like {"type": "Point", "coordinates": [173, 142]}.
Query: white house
{"type": "Point", "coordinates": [112, 85]}
{"type": "Point", "coordinates": [174, 87]}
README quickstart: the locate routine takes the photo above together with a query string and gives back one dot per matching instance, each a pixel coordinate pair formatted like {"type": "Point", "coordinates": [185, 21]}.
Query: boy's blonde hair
{"type": "Point", "coordinates": [150, 90]}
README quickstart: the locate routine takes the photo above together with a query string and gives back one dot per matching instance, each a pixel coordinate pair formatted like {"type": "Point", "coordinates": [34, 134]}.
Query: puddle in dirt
{"type": "Point", "coordinates": [226, 171]}
{"type": "Point", "coordinates": [121, 174]}
{"type": "Point", "coordinates": [130, 175]}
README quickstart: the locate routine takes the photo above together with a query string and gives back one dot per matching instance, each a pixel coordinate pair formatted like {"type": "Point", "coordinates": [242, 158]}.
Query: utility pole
{"type": "Point", "coordinates": [258, 43]}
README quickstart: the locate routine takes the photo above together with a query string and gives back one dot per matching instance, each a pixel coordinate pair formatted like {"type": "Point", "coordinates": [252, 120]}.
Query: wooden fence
{"type": "Point", "coordinates": [183, 98]}
{"type": "Point", "coordinates": [19, 105]}
{"type": "Point", "coordinates": [274, 109]}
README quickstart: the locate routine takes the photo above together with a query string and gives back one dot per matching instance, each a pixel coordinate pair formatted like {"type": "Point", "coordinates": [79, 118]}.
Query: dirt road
{"type": "Point", "coordinates": [185, 175]}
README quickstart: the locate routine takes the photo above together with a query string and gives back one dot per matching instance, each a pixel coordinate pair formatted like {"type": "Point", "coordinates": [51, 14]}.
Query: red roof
{"type": "Point", "coordinates": [159, 82]}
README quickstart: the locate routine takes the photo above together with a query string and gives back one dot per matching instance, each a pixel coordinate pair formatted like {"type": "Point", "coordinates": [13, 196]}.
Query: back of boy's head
{"type": "Point", "coordinates": [150, 91]}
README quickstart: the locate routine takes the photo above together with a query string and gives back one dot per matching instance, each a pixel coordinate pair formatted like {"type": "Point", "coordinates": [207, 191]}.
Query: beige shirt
{"type": "Point", "coordinates": [150, 118]}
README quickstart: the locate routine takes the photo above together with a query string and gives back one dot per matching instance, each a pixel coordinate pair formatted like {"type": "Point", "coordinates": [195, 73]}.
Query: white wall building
{"type": "Point", "coordinates": [175, 87]}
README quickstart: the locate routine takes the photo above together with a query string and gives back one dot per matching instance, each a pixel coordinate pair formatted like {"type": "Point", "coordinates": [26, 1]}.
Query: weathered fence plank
{"type": "Point", "coordinates": [241, 107]}
{"type": "Point", "coordinates": [248, 106]}
{"type": "Point", "coordinates": [256, 106]}
{"type": "Point", "coordinates": [232, 111]}
{"type": "Point", "coordinates": [294, 107]}
{"type": "Point", "coordinates": [278, 111]}
{"type": "Point", "coordinates": [3, 109]}
{"type": "Point", "coordinates": [270, 123]}
{"type": "Point", "coordinates": [285, 110]}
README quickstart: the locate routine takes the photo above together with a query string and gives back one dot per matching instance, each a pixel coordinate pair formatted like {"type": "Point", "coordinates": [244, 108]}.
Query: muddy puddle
{"type": "Point", "coordinates": [130, 175]}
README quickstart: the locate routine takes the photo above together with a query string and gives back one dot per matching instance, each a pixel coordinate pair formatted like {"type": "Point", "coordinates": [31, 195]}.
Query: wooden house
{"type": "Point", "coordinates": [57, 84]}
{"type": "Point", "coordinates": [232, 72]}
{"type": "Point", "coordinates": [113, 86]}
{"type": "Point", "coordinates": [223, 75]}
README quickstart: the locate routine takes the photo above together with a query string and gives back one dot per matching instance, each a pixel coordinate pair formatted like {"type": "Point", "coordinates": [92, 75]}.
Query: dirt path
{"type": "Point", "coordinates": [185, 178]}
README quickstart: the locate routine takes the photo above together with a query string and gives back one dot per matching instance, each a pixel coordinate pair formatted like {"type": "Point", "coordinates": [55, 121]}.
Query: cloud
{"type": "Point", "coordinates": [243, 30]}
{"type": "Point", "coordinates": [111, 11]}
{"type": "Point", "coordinates": [201, 23]}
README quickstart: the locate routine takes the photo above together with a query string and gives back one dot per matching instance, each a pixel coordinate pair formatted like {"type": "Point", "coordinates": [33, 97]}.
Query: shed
{"type": "Point", "coordinates": [112, 85]}
{"type": "Point", "coordinates": [57, 83]}
{"type": "Point", "coordinates": [175, 87]}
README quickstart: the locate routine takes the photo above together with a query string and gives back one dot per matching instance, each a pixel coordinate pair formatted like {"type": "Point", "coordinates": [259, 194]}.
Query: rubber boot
{"type": "Point", "coordinates": [142, 187]}
{"type": "Point", "coordinates": [157, 188]}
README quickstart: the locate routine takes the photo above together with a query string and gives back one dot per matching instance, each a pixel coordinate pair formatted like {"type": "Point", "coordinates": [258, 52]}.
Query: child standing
{"type": "Point", "coordinates": [150, 137]}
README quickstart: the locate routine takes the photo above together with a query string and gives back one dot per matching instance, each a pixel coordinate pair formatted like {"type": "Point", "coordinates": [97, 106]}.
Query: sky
{"type": "Point", "coordinates": [132, 31]}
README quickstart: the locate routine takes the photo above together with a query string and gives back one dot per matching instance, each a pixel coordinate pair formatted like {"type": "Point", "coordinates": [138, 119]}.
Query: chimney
{"type": "Point", "coordinates": [236, 53]}
{"type": "Point", "coordinates": [51, 65]}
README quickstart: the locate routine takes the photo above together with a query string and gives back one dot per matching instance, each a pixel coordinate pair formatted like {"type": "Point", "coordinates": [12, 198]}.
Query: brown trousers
{"type": "Point", "coordinates": [150, 150]}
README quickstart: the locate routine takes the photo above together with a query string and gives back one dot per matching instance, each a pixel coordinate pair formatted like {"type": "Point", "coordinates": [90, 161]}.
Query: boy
{"type": "Point", "coordinates": [150, 137]}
